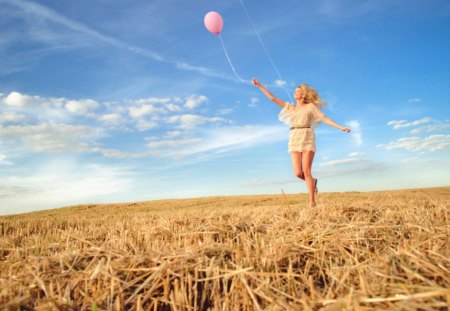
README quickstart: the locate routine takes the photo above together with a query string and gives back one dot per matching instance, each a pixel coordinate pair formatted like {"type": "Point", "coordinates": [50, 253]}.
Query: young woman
{"type": "Point", "coordinates": [302, 118]}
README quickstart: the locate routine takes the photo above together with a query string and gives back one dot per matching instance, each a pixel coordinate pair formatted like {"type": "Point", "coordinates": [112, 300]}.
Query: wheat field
{"type": "Point", "coordinates": [385, 250]}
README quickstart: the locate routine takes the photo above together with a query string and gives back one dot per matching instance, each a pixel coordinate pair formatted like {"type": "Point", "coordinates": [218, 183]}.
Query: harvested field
{"type": "Point", "coordinates": [386, 250]}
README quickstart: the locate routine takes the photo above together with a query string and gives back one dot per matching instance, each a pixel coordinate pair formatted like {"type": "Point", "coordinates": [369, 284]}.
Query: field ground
{"type": "Point", "coordinates": [386, 250]}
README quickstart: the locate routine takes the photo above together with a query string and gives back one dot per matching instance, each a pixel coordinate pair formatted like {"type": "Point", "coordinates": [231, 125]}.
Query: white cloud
{"type": "Point", "coordinates": [118, 154]}
{"type": "Point", "coordinates": [53, 124]}
{"type": "Point", "coordinates": [153, 100]}
{"type": "Point", "coordinates": [430, 128]}
{"type": "Point", "coordinates": [45, 133]}
{"type": "Point", "coordinates": [404, 123]}
{"type": "Point", "coordinates": [111, 118]}
{"type": "Point", "coordinates": [225, 111]}
{"type": "Point", "coordinates": [415, 100]}
{"type": "Point", "coordinates": [81, 107]}
{"type": "Point", "coordinates": [217, 141]}
{"type": "Point", "coordinates": [145, 125]}
{"type": "Point", "coordinates": [140, 111]}
{"type": "Point", "coordinates": [145, 113]}
{"type": "Point", "coordinates": [256, 182]}
{"type": "Point", "coordinates": [419, 144]}
{"type": "Point", "coordinates": [355, 132]}
{"type": "Point", "coordinates": [195, 100]}
{"type": "Point", "coordinates": [52, 137]}
{"type": "Point", "coordinates": [172, 107]}
{"type": "Point", "coordinates": [356, 154]}
{"type": "Point", "coordinates": [254, 102]}
{"type": "Point", "coordinates": [172, 134]}
{"type": "Point", "coordinates": [15, 99]}
{"type": "Point", "coordinates": [333, 163]}
{"type": "Point", "coordinates": [280, 83]}
{"type": "Point", "coordinates": [55, 102]}
{"type": "Point", "coordinates": [3, 160]}
{"type": "Point", "coordinates": [172, 143]}
{"type": "Point", "coordinates": [43, 109]}
{"type": "Point", "coordinates": [62, 182]}
{"type": "Point", "coordinates": [190, 121]}
{"type": "Point", "coordinates": [11, 117]}
{"type": "Point", "coordinates": [364, 168]}
{"type": "Point", "coordinates": [419, 160]}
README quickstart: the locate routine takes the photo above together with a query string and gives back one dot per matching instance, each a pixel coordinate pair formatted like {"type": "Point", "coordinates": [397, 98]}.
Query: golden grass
{"type": "Point", "coordinates": [356, 251]}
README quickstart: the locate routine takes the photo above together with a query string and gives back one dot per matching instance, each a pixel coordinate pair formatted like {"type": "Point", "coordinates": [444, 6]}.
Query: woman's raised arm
{"type": "Point", "coordinates": [266, 92]}
{"type": "Point", "coordinates": [334, 124]}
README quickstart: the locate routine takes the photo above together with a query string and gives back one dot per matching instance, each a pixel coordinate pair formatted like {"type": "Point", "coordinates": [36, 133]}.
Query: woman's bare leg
{"type": "Point", "coordinates": [296, 158]}
{"type": "Point", "coordinates": [308, 158]}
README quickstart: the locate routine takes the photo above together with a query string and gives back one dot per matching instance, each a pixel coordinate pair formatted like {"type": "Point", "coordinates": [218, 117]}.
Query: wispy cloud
{"type": "Point", "coordinates": [430, 128]}
{"type": "Point", "coordinates": [351, 160]}
{"type": "Point", "coordinates": [195, 100]}
{"type": "Point", "coordinates": [280, 83]}
{"type": "Point", "coordinates": [4, 161]}
{"type": "Point", "coordinates": [355, 132]}
{"type": "Point", "coordinates": [52, 137]}
{"type": "Point", "coordinates": [190, 121]}
{"type": "Point", "coordinates": [225, 111]}
{"type": "Point", "coordinates": [90, 127]}
{"type": "Point", "coordinates": [419, 144]}
{"type": "Point", "coordinates": [415, 100]}
{"type": "Point", "coordinates": [36, 9]}
{"type": "Point", "coordinates": [254, 102]}
{"type": "Point", "coordinates": [257, 182]}
{"type": "Point", "coordinates": [11, 117]}
{"type": "Point", "coordinates": [356, 154]}
{"type": "Point", "coordinates": [349, 9]}
{"type": "Point", "coordinates": [419, 160]}
{"type": "Point", "coordinates": [397, 124]}
{"type": "Point", "coordinates": [356, 163]}
{"type": "Point", "coordinates": [44, 12]}
{"type": "Point", "coordinates": [357, 169]}
{"type": "Point", "coordinates": [81, 107]}
{"type": "Point", "coordinates": [61, 182]}
{"type": "Point", "coordinates": [141, 114]}
{"type": "Point", "coordinates": [217, 140]}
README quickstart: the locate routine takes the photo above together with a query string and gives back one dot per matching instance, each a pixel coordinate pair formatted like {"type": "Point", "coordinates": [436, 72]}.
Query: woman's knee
{"type": "Point", "coordinates": [299, 175]}
{"type": "Point", "coordinates": [307, 173]}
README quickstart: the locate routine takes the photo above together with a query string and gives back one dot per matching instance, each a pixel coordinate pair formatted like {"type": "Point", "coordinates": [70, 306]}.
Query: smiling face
{"type": "Point", "coordinates": [304, 94]}
{"type": "Point", "coordinates": [298, 92]}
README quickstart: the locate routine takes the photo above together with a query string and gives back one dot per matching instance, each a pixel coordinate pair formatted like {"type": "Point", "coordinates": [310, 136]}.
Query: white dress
{"type": "Point", "coordinates": [302, 120]}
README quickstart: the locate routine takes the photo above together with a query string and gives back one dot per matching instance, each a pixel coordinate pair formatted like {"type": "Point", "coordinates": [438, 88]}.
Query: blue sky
{"type": "Point", "coordinates": [112, 101]}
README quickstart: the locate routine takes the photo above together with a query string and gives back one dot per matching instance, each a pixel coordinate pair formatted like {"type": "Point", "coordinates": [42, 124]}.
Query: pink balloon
{"type": "Point", "coordinates": [213, 22]}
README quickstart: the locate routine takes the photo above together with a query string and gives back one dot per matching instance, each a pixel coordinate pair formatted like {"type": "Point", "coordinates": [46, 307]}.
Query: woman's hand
{"type": "Point", "coordinates": [266, 92]}
{"type": "Point", "coordinates": [256, 82]}
{"type": "Point", "coordinates": [345, 129]}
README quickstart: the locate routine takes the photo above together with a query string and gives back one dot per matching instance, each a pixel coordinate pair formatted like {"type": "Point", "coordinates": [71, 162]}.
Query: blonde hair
{"type": "Point", "coordinates": [311, 95]}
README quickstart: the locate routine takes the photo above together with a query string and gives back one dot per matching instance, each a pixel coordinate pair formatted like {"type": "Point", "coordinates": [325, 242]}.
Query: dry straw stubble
{"type": "Point", "coordinates": [360, 251]}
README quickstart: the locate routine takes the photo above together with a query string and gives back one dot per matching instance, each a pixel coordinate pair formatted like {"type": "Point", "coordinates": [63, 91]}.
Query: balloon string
{"type": "Point", "coordinates": [229, 61]}
{"type": "Point", "coordinates": [265, 49]}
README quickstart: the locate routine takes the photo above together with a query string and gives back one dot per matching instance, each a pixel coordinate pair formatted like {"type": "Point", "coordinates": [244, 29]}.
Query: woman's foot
{"type": "Point", "coordinates": [315, 186]}
{"type": "Point", "coordinates": [312, 204]}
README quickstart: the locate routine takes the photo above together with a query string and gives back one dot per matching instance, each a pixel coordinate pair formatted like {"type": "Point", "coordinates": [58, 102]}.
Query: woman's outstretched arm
{"type": "Point", "coordinates": [334, 124]}
{"type": "Point", "coordinates": [266, 92]}
{"type": "Point", "coordinates": [319, 115]}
